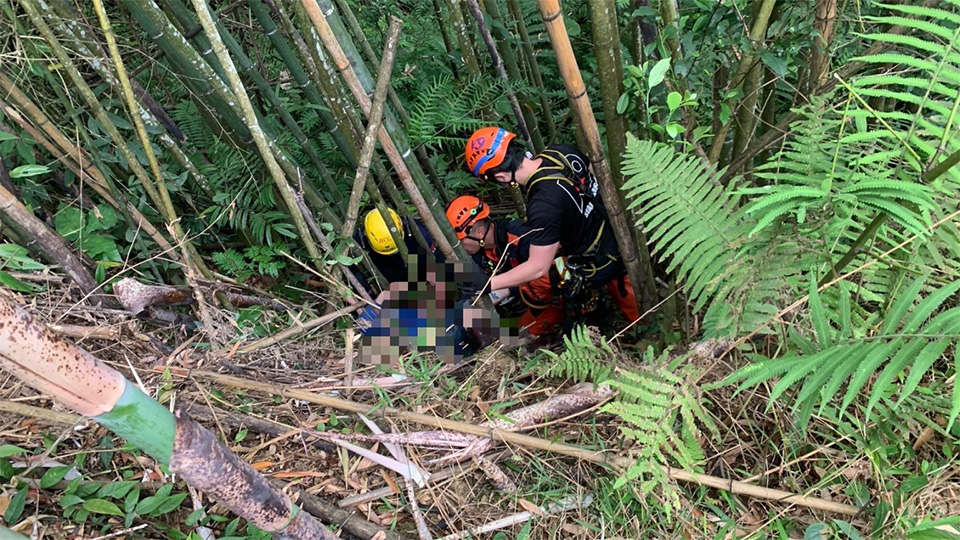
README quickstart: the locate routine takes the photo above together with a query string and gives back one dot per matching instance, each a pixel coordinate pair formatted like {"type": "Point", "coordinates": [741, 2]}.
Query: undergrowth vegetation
{"type": "Point", "coordinates": [790, 168]}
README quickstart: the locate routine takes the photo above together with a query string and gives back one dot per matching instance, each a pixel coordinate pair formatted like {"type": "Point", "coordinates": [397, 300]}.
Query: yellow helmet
{"type": "Point", "coordinates": [378, 235]}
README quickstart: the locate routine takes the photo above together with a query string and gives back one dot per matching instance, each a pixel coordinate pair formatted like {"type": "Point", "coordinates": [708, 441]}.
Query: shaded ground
{"type": "Point", "coordinates": [756, 443]}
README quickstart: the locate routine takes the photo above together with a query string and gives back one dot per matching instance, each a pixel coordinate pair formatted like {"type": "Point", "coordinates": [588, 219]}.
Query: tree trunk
{"type": "Point", "coordinates": [825, 16]}
{"type": "Point", "coordinates": [582, 111]}
{"type": "Point", "coordinates": [531, 55]}
{"type": "Point", "coordinates": [502, 46]}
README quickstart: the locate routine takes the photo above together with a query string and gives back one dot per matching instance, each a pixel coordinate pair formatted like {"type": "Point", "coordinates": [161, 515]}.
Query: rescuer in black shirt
{"type": "Point", "coordinates": [563, 208]}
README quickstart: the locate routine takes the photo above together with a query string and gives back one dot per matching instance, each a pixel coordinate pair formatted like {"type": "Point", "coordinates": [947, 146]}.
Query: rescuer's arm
{"type": "Point", "coordinates": [541, 257]}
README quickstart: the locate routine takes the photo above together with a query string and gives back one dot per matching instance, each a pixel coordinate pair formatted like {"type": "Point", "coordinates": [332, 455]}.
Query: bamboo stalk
{"type": "Point", "coordinates": [503, 47]}
{"type": "Point", "coordinates": [463, 39]}
{"type": "Point", "coordinates": [75, 159]}
{"type": "Point", "coordinates": [782, 129]}
{"type": "Point", "coordinates": [133, 112]}
{"type": "Point", "coordinates": [587, 124]}
{"type": "Point", "coordinates": [747, 115]}
{"type": "Point", "coordinates": [52, 245]}
{"type": "Point", "coordinates": [286, 191]}
{"type": "Point", "coordinates": [347, 49]}
{"type": "Point", "coordinates": [671, 28]}
{"type": "Point", "coordinates": [593, 456]}
{"type": "Point", "coordinates": [444, 33]}
{"type": "Point", "coordinates": [196, 73]}
{"type": "Point", "coordinates": [757, 31]}
{"type": "Point", "coordinates": [527, 45]}
{"type": "Point", "coordinates": [373, 127]}
{"type": "Point", "coordinates": [401, 111]}
{"type": "Point", "coordinates": [346, 144]}
{"type": "Point", "coordinates": [97, 109]}
{"type": "Point", "coordinates": [824, 19]}
{"type": "Point", "coordinates": [265, 90]}
{"type": "Point", "coordinates": [500, 68]}
{"type": "Point", "coordinates": [77, 379]}
{"type": "Point", "coordinates": [606, 36]}
{"type": "Point", "coordinates": [440, 234]}
{"type": "Point", "coordinates": [606, 47]}
{"type": "Point", "coordinates": [290, 168]}
{"type": "Point", "coordinates": [347, 125]}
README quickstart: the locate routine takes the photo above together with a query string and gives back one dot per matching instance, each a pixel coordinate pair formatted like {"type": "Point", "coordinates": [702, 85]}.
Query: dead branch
{"type": "Point", "coordinates": [593, 456]}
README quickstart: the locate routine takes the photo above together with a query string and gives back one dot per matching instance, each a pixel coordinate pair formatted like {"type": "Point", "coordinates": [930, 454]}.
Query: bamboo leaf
{"type": "Point", "coordinates": [26, 171]}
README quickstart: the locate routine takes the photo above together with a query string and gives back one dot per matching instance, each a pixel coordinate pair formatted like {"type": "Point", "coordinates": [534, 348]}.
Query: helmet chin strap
{"type": "Point", "coordinates": [477, 240]}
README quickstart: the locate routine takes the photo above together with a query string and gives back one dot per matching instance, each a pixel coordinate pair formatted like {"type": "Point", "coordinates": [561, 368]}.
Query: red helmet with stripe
{"type": "Point", "coordinates": [486, 149]}
{"type": "Point", "coordinates": [464, 211]}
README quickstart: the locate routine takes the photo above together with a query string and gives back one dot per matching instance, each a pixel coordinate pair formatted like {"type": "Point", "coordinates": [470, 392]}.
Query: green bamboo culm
{"type": "Point", "coordinates": [346, 144]}
{"type": "Point", "coordinates": [430, 210]}
{"type": "Point", "coordinates": [401, 111]}
{"type": "Point", "coordinates": [141, 421]}
{"type": "Point", "coordinates": [131, 160]}
{"type": "Point", "coordinates": [246, 65]}
{"type": "Point", "coordinates": [195, 73]}
{"type": "Point", "coordinates": [395, 132]}
{"type": "Point", "coordinates": [133, 112]}
{"type": "Point", "coordinates": [513, 70]}
{"type": "Point", "coordinates": [343, 124]}
{"type": "Point", "coordinates": [531, 57]}
{"type": "Point", "coordinates": [286, 191]}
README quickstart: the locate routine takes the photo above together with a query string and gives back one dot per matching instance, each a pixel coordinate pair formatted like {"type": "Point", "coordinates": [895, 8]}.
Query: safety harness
{"type": "Point", "coordinates": [554, 167]}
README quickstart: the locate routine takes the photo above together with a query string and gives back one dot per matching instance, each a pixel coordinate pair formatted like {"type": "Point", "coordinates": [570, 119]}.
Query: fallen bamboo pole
{"type": "Point", "coordinates": [585, 454]}
{"type": "Point", "coordinates": [316, 506]}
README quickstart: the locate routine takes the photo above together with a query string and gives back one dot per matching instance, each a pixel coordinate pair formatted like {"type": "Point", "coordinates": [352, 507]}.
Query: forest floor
{"type": "Point", "coordinates": [84, 483]}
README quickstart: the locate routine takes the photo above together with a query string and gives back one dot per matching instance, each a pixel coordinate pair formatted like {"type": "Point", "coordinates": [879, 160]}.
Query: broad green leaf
{"type": "Point", "coordinates": [13, 283]}
{"type": "Point", "coordinates": [100, 506]}
{"type": "Point", "coordinates": [69, 500]}
{"type": "Point", "coordinates": [26, 171]}
{"type": "Point", "coordinates": [17, 503]}
{"type": "Point", "coordinates": [623, 103]}
{"type": "Point", "coordinates": [69, 223]}
{"type": "Point", "coordinates": [16, 257]}
{"type": "Point", "coordinates": [5, 136]}
{"type": "Point", "coordinates": [53, 475]}
{"type": "Point", "coordinates": [777, 64]}
{"type": "Point", "coordinates": [115, 490]}
{"type": "Point", "coordinates": [8, 450]}
{"type": "Point", "coordinates": [658, 73]}
{"type": "Point", "coordinates": [673, 100]}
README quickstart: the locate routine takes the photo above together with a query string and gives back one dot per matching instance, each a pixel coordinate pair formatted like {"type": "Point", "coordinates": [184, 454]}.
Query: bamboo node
{"type": "Point", "coordinates": [551, 18]}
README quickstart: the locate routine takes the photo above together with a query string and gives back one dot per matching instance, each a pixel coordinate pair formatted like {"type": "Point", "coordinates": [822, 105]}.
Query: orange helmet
{"type": "Point", "coordinates": [486, 149]}
{"type": "Point", "coordinates": [464, 211]}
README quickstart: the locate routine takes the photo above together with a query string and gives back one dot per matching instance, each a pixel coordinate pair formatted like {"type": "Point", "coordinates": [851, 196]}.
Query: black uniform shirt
{"type": "Point", "coordinates": [566, 212]}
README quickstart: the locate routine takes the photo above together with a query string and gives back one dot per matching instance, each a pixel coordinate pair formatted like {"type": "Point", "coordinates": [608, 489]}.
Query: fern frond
{"type": "Point", "coordinates": [912, 342]}
{"type": "Point", "coordinates": [664, 413]}
{"type": "Point", "coordinates": [583, 359]}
